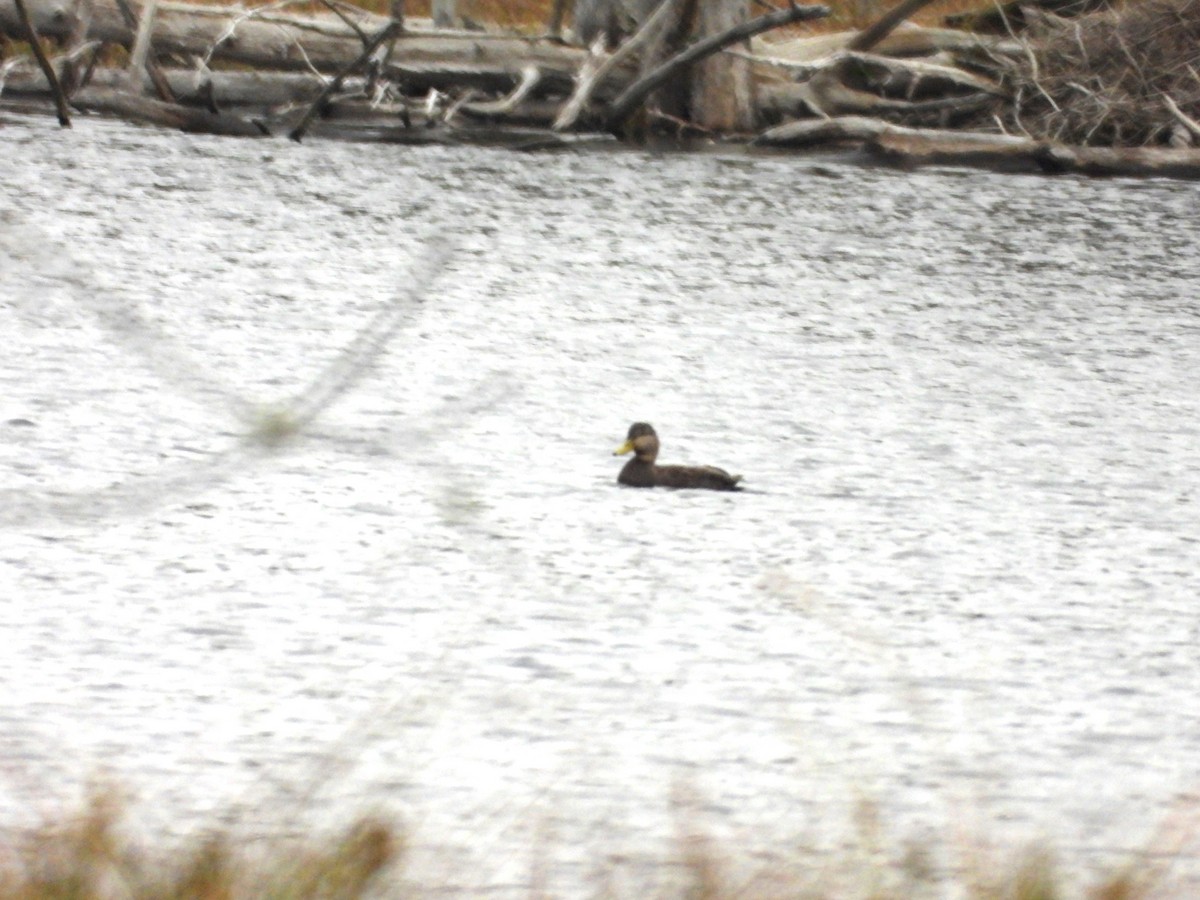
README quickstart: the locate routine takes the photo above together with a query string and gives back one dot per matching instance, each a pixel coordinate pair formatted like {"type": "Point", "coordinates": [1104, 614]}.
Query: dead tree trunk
{"type": "Point", "coordinates": [554, 25]}
{"type": "Point", "coordinates": [445, 13]}
{"type": "Point", "coordinates": [633, 96]}
{"type": "Point", "coordinates": [723, 95]}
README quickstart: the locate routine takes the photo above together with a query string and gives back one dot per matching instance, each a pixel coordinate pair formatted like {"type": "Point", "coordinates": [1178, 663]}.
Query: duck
{"type": "Point", "coordinates": [641, 471]}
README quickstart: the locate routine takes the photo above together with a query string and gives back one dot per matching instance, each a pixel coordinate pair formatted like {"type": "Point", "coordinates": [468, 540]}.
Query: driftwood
{"type": "Point", "coordinates": [863, 83]}
{"type": "Point", "coordinates": [254, 93]}
{"type": "Point", "coordinates": [857, 130]}
{"type": "Point", "coordinates": [911, 147]}
{"type": "Point", "coordinates": [912, 79]}
{"type": "Point", "coordinates": [169, 115]}
{"type": "Point", "coordinates": [1008, 154]}
{"type": "Point", "coordinates": [272, 40]}
{"type": "Point", "coordinates": [849, 83]}
{"type": "Point", "coordinates": [1161, 162]}
{"type": "Point", "coordinates": [817, 132]}
{"type": "Point", "coordinates": [831, 98]}
{"type": "Point", "coordinates": [905, 41]}
{"type": "Point", "coordinates": [354, 75]}
{"type": "Point", "coordinates": [409, 65]}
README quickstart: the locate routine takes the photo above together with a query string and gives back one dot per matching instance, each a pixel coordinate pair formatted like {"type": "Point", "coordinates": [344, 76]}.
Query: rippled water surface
{"type": "Point", "coordinates": [961, 587]}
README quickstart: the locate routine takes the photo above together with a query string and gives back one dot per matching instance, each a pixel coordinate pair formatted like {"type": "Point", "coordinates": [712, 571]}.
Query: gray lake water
{"type": "Point", "coordinates": [961, 589]}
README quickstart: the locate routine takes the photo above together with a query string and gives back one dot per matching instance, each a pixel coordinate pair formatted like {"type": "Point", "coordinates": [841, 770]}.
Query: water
{"type": "Point", "coordinates": [960, 589]}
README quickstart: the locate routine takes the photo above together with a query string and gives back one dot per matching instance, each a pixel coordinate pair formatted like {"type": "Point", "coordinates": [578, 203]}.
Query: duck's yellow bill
{"type": "Point", "coordinates": [626, 447]}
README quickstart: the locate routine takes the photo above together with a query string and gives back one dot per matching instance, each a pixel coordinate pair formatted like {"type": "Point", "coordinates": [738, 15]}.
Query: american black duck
{"type": "Point", "coordinates": [642, 472]}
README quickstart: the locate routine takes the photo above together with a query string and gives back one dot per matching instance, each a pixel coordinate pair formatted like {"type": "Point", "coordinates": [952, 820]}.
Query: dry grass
{"type": "Point", "coordinates": [90, 856]}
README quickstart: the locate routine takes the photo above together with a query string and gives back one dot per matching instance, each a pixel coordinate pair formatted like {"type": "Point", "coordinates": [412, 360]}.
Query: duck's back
{"type": "Point", "coordinates": [707, 477]}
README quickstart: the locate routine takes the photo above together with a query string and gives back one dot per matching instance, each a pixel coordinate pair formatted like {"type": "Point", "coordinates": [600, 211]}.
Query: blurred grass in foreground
{"type": "Point", "coordinates": [87, 857]}
{"type": "Point", "coordinates": [90, 856]}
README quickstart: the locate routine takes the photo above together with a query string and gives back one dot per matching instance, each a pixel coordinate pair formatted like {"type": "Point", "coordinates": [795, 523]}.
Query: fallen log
{"type": "Point", "coordinates": [359, 124]}
{"type": "Point", "coordinates": [865, 84]}
{"type": "Point", "coordinates": [1029, 155]}
{"type": "Point", "coordinates": [858, 130]}
{"type": "Point", "coordinates": [785, 101]}
{"type": "Point", "coordinates": [907, 79]}
{"type": "Point", "coordinates": [271, 40]}
{"type": "Point", "coordinates": [251, 92]}
{"type": "Point", "coordinates": [1133, 162]}
{"type": "Point", "coordinates": [906, 41]}
{"type": "Point", "coordinates": [846, 130]}
{"type": "Point", "coordinates": [526, 114]}
{"type": "Point", "coordinates": [256, 102]}
{"type": "Point", "coordinates": [995, 152]}
{"type": "Point", "coordinates": [829, 98]}
{"type": "Point", "coordinates": [912, 147]}
{"type": "Point", "coordinates": [134, 108]}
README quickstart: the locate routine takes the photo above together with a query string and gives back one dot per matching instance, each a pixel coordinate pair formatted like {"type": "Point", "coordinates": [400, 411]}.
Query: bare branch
{"type": "Point", "coordinates": [586, 86]}
{"type": "Point", "coordinates": [1186, 121]}
{"type": "Point", "coordinates": [869, 37]}
{"type": "Point", "coordinates": [389, 31]}
{"type": "Point", "coordinates": [35, 43]}
{"type": "Point", "coordinates": [530, 77]}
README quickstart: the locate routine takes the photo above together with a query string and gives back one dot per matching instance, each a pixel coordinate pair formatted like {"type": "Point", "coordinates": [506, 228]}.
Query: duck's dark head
{"type": "Point", "coordinates": [641, 441]}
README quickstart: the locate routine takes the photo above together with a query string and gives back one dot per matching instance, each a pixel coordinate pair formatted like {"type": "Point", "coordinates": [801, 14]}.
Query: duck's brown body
{"type": "Point", "coordinates": [641, 471]}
